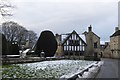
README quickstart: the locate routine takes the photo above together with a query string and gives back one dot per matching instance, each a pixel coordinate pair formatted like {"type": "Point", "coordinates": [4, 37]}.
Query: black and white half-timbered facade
{"type": "Point", "coordinates": [74, 44]}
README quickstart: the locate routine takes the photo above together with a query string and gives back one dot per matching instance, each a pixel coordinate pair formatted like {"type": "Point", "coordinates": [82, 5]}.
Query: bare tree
{"type": "Point", "coordinates": [13, 31]}
{"type": "Point", "coordinates": [5, 7]}
{"type": "Point", "coordinates": [32, 38]}
{"type": "Point", "coordinates": [17, 33]}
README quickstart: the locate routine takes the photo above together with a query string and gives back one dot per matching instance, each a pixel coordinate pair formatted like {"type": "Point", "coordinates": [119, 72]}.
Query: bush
{"type": "Point", "coordinates": [15, 49]}
{"type": "Point", "coordinates": [12, 49]}
{"type": "Point", "coordinates": [4, 45]}
{"type": "Point", "coordinates": [46, 43]}
{"type": "Point", "coordinates": [8, 48]}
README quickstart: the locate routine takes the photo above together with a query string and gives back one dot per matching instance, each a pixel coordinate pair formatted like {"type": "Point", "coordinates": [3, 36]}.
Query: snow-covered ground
{"type": "Point", "coordinates": [60, 67]}
{"type": "Point", "coordinates": [49, 69]}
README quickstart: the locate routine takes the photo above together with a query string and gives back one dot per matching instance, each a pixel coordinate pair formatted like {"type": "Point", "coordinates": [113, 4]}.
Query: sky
{"type": "Point", "coordinates": [64, 16]}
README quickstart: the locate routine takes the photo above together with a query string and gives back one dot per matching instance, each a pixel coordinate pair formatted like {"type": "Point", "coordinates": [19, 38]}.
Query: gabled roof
{"type": "Point", "coordinates": [92, 33]}
{"type": "Point", "coordinates": [117, 33]}
{"type": "Point", "coordinates": [74, 32]}
{"type": "Point", "coordinates": [96, 35]}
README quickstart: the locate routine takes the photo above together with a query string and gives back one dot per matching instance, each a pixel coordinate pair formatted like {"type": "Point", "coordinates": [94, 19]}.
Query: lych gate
{"type": "Point", "coordinates": [74, 45]}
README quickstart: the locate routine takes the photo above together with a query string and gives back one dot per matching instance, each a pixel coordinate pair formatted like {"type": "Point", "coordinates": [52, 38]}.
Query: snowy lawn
{"type": "Point", "coordinates": [45, 69]}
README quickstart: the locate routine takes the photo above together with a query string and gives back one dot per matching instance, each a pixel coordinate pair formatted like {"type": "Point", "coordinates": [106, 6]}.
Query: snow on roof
{"type": "Point", "coordinates": [65, 36]}
{"type": "Point", "coordinates": [117, 33]}
{"type": "Point", "coordinates": [24, 52]}
{"type": "Point", "coordinates": [103, 42]}
{"type": "Point", "coordinates": [83, 38]}
{"type": "Point", "coordinates": [12, 55]}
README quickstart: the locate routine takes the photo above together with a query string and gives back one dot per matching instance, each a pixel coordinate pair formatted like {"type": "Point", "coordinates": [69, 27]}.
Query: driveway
{"type": "Point", "coordinates": [109, 69]}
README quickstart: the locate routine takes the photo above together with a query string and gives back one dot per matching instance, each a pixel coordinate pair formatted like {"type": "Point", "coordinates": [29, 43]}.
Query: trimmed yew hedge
{"type": "Point", "coordinates": [46, 43]}
{"type": "Point", "coordinates": [9, 48]}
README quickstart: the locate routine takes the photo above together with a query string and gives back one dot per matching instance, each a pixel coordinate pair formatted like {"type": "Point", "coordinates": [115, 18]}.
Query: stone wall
{"type": "Point", "coordinates": [89, 41]}
{"type": "Point", "coordinates": [115, 46]}
{"type": "Point", "coordinates": [59, 51]}
{"type": "Point", "coordinates": [107, 51]}
{"type": "Point", "coordinates": [96, 40]}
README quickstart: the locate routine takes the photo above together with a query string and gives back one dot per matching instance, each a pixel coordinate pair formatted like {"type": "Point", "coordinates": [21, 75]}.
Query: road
{"type": "Point", "coordinates": [110, 69]}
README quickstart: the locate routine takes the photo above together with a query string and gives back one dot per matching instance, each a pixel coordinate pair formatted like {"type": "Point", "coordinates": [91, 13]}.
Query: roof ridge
{"type": "Point", "coordinates": [117, 33]}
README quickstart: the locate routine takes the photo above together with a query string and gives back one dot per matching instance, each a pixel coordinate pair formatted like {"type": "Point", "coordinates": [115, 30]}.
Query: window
{"type": "Point", "coordinates": [77, 42]}
{"type": "Point", "coordinates": [74, 42]}
{"type": "Point", "coordinates": [70, 42]}
{"type": "Point", "coordinates": [95, 45]}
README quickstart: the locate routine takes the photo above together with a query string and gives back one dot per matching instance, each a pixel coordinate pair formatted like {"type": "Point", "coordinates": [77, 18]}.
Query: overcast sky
{"type": "Point", "coordinates": [64, 16]}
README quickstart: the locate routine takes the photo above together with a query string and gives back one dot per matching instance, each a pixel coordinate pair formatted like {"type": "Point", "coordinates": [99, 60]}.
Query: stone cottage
{"type": "Point", "coordinates": [93, 43]}
{"type": "Point", "coordinates": [115, 43]}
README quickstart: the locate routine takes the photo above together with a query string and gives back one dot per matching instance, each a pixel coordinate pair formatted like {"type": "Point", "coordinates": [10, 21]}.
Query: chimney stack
{"type": "Point", "coordinates": [90, 28]}
{"type": "Point", "coordinates": [58, 36]}
{"type": "Point", "coordinates": [116, 29]}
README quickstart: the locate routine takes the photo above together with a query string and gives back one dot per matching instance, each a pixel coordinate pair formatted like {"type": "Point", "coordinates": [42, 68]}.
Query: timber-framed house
{"type": "Point", "coordinates": [74, 44]}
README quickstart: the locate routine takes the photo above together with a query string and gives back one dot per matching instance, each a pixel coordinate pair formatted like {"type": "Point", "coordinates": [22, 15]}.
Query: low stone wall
{"type": "Point", "coordinates": [37, 59]}
{"type": "Point", "coordinates": [89, 72]}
